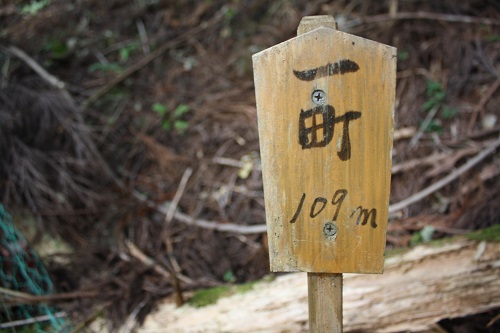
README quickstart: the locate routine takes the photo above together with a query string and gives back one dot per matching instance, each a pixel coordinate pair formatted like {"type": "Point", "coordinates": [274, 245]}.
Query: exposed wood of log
{"type": "Point", "coordinates": [418, 289]}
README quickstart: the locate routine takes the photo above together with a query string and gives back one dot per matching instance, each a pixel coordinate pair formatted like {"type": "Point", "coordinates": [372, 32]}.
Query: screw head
{"type": "Point", "coordinates": [330, 229]}
{"type": "Point", "coordinates": [318, 97]}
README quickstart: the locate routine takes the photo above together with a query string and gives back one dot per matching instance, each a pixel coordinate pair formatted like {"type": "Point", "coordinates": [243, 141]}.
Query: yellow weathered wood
{"type": "Point", "coordinates": [309, 23]}
{"type": "Point", "coordinates": [325, 302]}
{"type": "Point", "coordinates": [293, 175]}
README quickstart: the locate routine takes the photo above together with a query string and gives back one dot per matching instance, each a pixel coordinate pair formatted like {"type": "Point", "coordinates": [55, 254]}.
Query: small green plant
{"type": "Point", "coordinates": [403, 55]}
{"type": "Point", "coordinates": [34, 7]}
{"type": "Point", "coordinates": [56, 48]}
{"type": "Point", "coordinates": [436, 96]}
{"type": "Point", "coordinates": [229, 277]}
{"type": "Point", "coordinates": [423, 236]}
{"type": "Point", "coordinates": [160, 109]}
{"type": "Point", "coordinates": [127, 50]}
{"type": "Point", "coordinates": [449, 113]}
{"type": "Point", "coordinates": [173, 119]}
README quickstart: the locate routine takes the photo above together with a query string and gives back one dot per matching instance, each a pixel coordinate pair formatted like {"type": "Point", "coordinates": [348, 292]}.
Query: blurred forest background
{"type": "Point", "coordinates": [129, 154]}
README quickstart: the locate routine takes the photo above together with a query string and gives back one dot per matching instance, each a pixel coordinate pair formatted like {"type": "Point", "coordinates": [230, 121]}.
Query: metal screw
{"type": "Point", "coordinates": [330, 229]}
{"type": "Point", "coordinates": [318, 97]}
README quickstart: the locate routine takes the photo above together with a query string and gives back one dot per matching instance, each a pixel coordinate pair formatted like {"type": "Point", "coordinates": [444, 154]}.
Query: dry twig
{"type": "Point", "coordinates": [17, 297]}
{"type": "Point", "coordinates": [33, 320]}
{"type": "Point", "coordinates": [423, 127]}
{"type": "Point", "coordinates": [479, 108]}
{"type": "Point", "coordinates": [446, 180]}
{"type": "Point", "coordinates": [46, 76]}
{"type": "Point", "coordinates": [167, 237]}
{"type": "Point", "coordinates": [419, 16]}
{"type": "Point", "coordinates": [149, 262]}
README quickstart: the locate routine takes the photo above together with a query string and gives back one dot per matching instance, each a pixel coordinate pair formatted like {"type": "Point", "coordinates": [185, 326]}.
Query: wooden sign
{"type": "Point", "coordinates": [325, 102]}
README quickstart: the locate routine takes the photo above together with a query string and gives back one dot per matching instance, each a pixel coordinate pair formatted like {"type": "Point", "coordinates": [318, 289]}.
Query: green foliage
{"type": "Point", "coordinates": [229, 13]}
{"type": "Point", "coordinates": [229, 277]}
{"type": "Point", "coordinates": [493, 38]}
{"type": "Point", "coordinates": [423, 236]}
{"type": "Point", "coordinates": [109, 67]}
{"type": "Point", "coordinates": [491, 234]}
{"type": "Point", "coordinates": [56, 48]}
{"type": "Point", "coordinates": [181, 110]}
{"type": "Point", "coordinates": [449, 113]}
{"type": "Point", "coordinates": [126, 51]}
{"type": "Point", "coordinates": [34, 7]}
{"type": "Point", "coordinates": [435, 95]}
{"type": "Point", "coordinates": [204, 297]}
{"type": "Point", "coordinates": [159, 108]}
{"type": "Point", "coordinates": [173, 119]}
{"type": "Point", "coordinates": [403, 55]}
{"type": "Point", "coordinates": [434, 127]}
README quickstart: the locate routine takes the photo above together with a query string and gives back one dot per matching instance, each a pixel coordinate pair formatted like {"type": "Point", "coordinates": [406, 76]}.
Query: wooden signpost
{"type": "Point", "coordinates": [325, 102]}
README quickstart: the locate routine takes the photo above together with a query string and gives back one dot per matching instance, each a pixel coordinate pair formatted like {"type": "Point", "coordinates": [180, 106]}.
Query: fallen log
{"type": "Point", "coordinates": [416, 291]}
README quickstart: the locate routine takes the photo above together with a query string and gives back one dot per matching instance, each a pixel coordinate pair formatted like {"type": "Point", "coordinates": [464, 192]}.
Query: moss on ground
{"type": "Point", "coordinates": [491, 234]}
{"type": "Point", "coordinates": [208, 296]}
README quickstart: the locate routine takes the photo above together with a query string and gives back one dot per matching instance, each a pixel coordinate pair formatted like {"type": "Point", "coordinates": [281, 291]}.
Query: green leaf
{"type": "Point", "coordinates": [428, 105]}
{"type": "Point", "coordinates": [124, 54]}
{"type": "Point", "coordinates": [127, 50]}
{"type": "Point", "coordinates": [439, 96]}
{"type": "Point", "coordinates": [423, 236]}
{"type": "Point", "coordinates": [181, 125]}
{"type": "Point", "coordinates": [34, 7]}
{"type": "Point", "coordinates": [159, 108]}
{"type": "Point", "coordinates": [433, 87]}
{"type": "Point", "coordinates": [56, 48]}
{"type": "Point", "coordinates": [229, 14]}
{"type": "Point", "coordinates": [449, 113]}
{"type": "Point", "coordinates": [435, 93]}
{"type": "Point", "coordinates": [416, 239]}
{"type": "Point", "coordinates": [229, 277]}
{"type": "Point", "coordinates": [180, 110]}
{"type": "Point", "coordinates": [434, 126]}
{"type": "Point", "coordinates": [427, 233]}
{"type": "Point", "coordinates": [403, 55]}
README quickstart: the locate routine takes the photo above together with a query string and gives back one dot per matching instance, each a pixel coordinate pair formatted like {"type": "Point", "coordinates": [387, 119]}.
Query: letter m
{"type": "Point", "coordinates": [364, 216]}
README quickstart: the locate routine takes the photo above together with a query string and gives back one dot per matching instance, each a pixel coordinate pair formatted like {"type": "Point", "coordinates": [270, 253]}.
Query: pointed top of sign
{"type": "Point", "coordinates": [309, 23]}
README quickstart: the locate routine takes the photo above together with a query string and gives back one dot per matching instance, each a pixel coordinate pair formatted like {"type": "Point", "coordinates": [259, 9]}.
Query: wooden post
{"type": "Point", "coordinates": [325, 302]}
{"type": "Point", "coordinates": [325, 102]}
